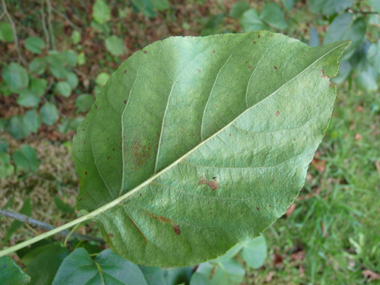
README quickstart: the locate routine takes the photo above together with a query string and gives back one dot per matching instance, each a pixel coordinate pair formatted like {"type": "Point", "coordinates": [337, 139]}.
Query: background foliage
{"type": "Point", "coordinates": [56, 56]}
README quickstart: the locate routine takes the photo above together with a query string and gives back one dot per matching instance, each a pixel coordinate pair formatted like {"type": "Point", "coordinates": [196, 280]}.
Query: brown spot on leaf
{"type": "Point", "coordinates": [145, 52]}
{"type": "Point", "coordinates": [198, 70]}
{"type": "Point", "coordinates": [254, 42]}
{"type": "Point", "coordinates": [323, 74]}
{"type": "Point", "coordinates": [258, 36]}
{"type": "Point", "coordinates": [177, 230]}
{"type": "Point", "coordinates": [277, 113]}
{"type": "Point", "coordinates": [110, 235]}
{"type": "Point", "coordinates": [213, 184]}
{"type": "Point", "coordinates": [275, 67]}
{"type": "Point", "coordinates": [125, 101]}
{"type": "Point", "coordinates": [125, 71]}
{"type": "Point", "coordinates": [85, 172]}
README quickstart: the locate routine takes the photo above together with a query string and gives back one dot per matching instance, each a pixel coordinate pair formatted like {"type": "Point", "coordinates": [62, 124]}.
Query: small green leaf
{"type": "Point", "coordinates": [44, 266]}
{"type": "Point", "coordinates": [6, 167]}
{"type": "Point", "coordinates": [178, 275]}
{"type": "Point", "coordinates": [107, 267]}
{"type": "Point", "coordinates": [250, 21]}
{"type": "Point", "coordinates": [213, 24]}
{"type": "Point", "coordinates": [72, 80]}
{"type": "Point", "coordinates": [56, 58]}
{"type": "Point", "coordinates": [62, 206]}
{"type": "Point", "coordinates": [115, 45]}
{"type": "Point", "coordinates": [26, 209]}
{"type": "Point", "coordinates": [16, 76]}
{"type": "Point", "coordinates": [26, 159]}
{"type": "Point", "coordinates": [373, 56]}
{"type": "Point", "coordinates": [38, 65]}
{"type": "Point", "coordinates": [49, 113]}
{"type": "Point", "coordinates": [153, 275]}
{"type": "Point", "coordinates": [238, 9]}
{"type": "Point", "coordinates": [375, 4]}
{"type": "Point", "coordinates": [81, 58]}
{"type": "Point", "coordinates": [75, 37]}
{"type": "Point", "coordinates": [17, 127]}
{"type": "Point", "coordinates": [32, 121]}
{"type": "Point", "coordinates": [59, 71]}
{"type": "Point", "coordinates": [228, 272]}
{"type": "Point", "coordinates": [289, 4]}
{"type": "Point", "coordinates": [34, 44]}
{"type": "Point", "coordinates": [11, 274]}
{"type": "Point", "coordinates": [366, 80]}
{"type": "Point", "coordinates": [255, 252]}
{"type": "Point", "coordinates": [3, 145]}
{"type": "Point", "coordinates": [101, 12]}
{"type": "Point", "coordinates": [229, 254]}
{"type": "Point", "coordinates": [329, 7]}
{"type": "Point", "coordinates": [84, 102]}
{"type": "Point", "coordinates": [6, 32]}
{"type": "Point", "coordinates": [314, 37]}
{"type": "Point", "coordinates": [63, 88]}
{"type": "Point", "coordinates": [145, 7]}
{"type": "Point", "coordinates": [102, 78]}
{"type": "Point", "coordinates": [273, 15]}
{"type": "Point", "coordinates": [71, 57]}
{"type": "Point", "coordinates": [38, 86]}
{"type": "Point", "coordinates": [199, 279]}
{"type": "Point", "coordinates": [160, 5]}
{"type": "Point", "coordinates": [344, 71]}
{"type": "Point", "coordinates": [3, 124]}
{"type": "Point", "coordinates": [28, 99]}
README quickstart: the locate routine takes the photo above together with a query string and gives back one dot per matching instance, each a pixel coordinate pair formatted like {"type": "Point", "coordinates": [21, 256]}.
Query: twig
{"type": "Point", "coordinates": [34, 222]}
{"type": "Point", "coordinates": [14, 31]}
{"type": "Point", "coordinates": [67, 19]}
{"type": "Point", "coordinates": [361, 12]}
{"type": "Point", "coordinates": [2, 15]}
{"type": "Point", "coordinates": [44, 25]}
{"type": "Point", "coordinates": [49, 23]}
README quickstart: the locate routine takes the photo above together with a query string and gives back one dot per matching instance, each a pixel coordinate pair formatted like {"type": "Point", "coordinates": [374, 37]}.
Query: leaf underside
{"type": "Point", "coordinates": [207, 138]}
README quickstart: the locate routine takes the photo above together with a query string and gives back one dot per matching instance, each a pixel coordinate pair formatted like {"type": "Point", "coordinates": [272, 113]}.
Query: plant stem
{"type": "Point", "coordinates": [34, 222]}
{"type": "Point", "coordinates": [44, 25]}
{"type": "Point", "coordinates": [50, 24]}
{"type": "Point", "coordinates": [5, 12]}
{"type": "Point", "coordinates": [67, 19]}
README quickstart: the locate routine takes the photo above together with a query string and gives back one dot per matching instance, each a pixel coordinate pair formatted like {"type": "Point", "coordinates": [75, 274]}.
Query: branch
{"type": "Point", "coordinates": [14, 31]}
{"type": "Point", "coordinates": [67, 19]}
{"type": "Point", "coordinates": [361, 12]}
{"type": "Point", "coordinates": [50, 25]}
{"type": "Point", "coordinates": [34, 222]}
{"type": "Point", "coordinates": [44, 25]}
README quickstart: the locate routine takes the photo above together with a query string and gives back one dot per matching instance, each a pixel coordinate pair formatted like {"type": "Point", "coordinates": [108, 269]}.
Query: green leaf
{"type": "Point", "coordinates": [289, 4]}
{"type": "Point", "coordinates": [373, 56]}
{"type": "Point", "coordinates": [101, 12]}
{"type": "Point", "coordinates": [228, 272]}
{"type": "Point", "coordinates": [26, 209]}
{"type": "Point", "coordinates": [72, 80]}
{"type": "Point", "coordinates": [6, 32]}
{"type": "Point", "coordinates": [34, 44]}
{"type": "Point", "coordinates": [238, 9]}
{"type": "Point", "coordinates": [153, 275]}
{"type": "Point", "coordinates": [3, 124]}
{"type": "Point", "coordinates": [11, 274]}
{"type": "Point", "coordinates": [59, 71]}
{"type": "Point", "coordinates": [44, 266]}
{"type": "Point", "coordinates": [255, 252]}
{"type": "Point", "coordinates": [26, 159]}
{"type": "Point", "coordinates": [375, 4]}
{"type": "Point", "coordinates": [32, 121]}
{"type": "Point", "coordinates": [49, 113]}
{"type": "Point", "coordinates": [63, 88]}
{"type": "Point", "coordinates": [160, 5]}
{"type": "Point", "coordinates": [17, 127]}
{"type": "Point", "coordinates": [38, 86]}
{"type": "Point", "coordinates": [115, 45]}
{"type": "Point", "coordinates": [75, 37]}
{"type": "Point", "coordinates": [145, 7]}
{"type": "Point", "coordinates": [314, 38]}
{"type": "Point", "coordinates": [56, 58]}
{"type": "Point", "coordinates": [178, 275]}
{"type": "Point", "coordinates": [329, 7]}
{"type": "Point", "coordinates": [62, 206]}
{"type": "Point", "coordinates": [344, 71]}
{"type": "Point", "coordinates": [16, 76]}
{"type": "Point", "coordinates": [81, 58]}
{"type": "Point", "coordinates": [229, 254]}
{"type": "Point", "coordinates": [273, 15]}
{"type": "Point", "coordinates": [343, 28]}
{"type": "Point", "coordinates": [6, 168]}
{"type": "Point", "coordinates": [107, 268]}
{"type": "Point", "coordinates": [84, 102]}
{"type": "Point", "coordinates": [213, 24]}
{"type": "Point", "coordinates": [102, 78]}
{"type": "Point", "coordinates": [38, 65]}
{"type": "Point", "coordinates": [71, 57]}
{"type": "Point", "coordinates": [28, 99]}
{"type": "Point", "coordinates": [199, 279]}
{"type": "Point", "coordinates": [250, 21]}
{"type": "Point", "coordinates": [366, 80]}
{"type": "Point", "coordinates": [3, 145]}
{"type": "Point", "coordinates": [184, 123]}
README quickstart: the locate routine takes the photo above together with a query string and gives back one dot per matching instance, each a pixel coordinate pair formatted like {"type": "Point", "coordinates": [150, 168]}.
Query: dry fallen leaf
{"type": "Point", "coordinates": [377, 166]}
{"type": "Point", "coordinates": [319, 165]}
{"type": "Point", "coordinates": [277, 260]}
{"type": "Point", "coordinates": [358, 137]}
{"type": "Point", "coordinates": [269, 277]}
{"type": "Point", "coordinates": [300, 255]}
{"type": "Point", "coordinates": [370, 275]}
{"type": "Point", "coordinates": [290, 210]}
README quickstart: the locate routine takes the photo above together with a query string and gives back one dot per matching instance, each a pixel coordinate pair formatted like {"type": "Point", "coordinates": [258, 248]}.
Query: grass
{"type": "Point", "coordinates": [337, 226]}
